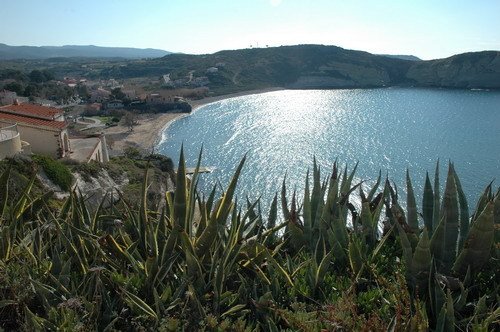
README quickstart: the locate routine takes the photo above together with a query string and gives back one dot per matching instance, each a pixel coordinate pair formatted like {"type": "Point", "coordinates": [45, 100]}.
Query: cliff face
{"type": "Point", "coordinates": [469, 70]}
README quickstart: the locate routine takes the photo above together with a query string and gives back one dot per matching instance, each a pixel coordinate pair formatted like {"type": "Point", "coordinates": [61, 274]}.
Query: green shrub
{"type": "Point", "coordinates": [56, 171]}
{"type": "Point", "coordinates": [89, 170]}
{"type": "Point", "coordinates": [132, 153]}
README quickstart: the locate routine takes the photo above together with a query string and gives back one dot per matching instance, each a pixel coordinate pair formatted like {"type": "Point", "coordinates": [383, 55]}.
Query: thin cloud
{"type": "Point", "coordinates": [275, 3]}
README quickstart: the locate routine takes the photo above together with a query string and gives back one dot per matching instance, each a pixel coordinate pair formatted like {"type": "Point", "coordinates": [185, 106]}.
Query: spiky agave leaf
{"type": "Point", "coordinates": [464, 211]}
{"type": "Point", "coordinates": [444, 239]}
{"type": "Point", "coordinates": [446, 318]}
{"type": "Point", "coordinates": [407, 249]}
{"type": "Point", "coordinates": [191, 197]}
{"type": "Point", "coordinates": [220, 214]}
{"type": "Point", "coordinates": [355, 255]}
{"type": "Point", "coordinates": [478, 244]}
{"type": "Point", "coordinates": [428, 205]}
{"type": "Point", "coordinates": [421, 261]}
{"type": "Point", "coordinates": [284, 203]}
{"type": "Point", "coordinates": [496, 218]}
{"type": "Point", "coordinates": [411, 207]}
{"type": "Point", "coordinates": [373, 190]}
{"type": "Point", "coordinates": [4, 190]}
{"type": "Point", "coordinates": [181, 192]}
{"type": "Point", "coordinates": [436, 214]}
{"type": "Point", "coordinates": [316, 196]}
{"type": "Point", "coordinates": [483, 201]}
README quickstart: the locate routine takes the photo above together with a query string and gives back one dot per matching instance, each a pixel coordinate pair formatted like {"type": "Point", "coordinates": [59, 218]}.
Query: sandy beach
{"type": "Point", "coordinates": [147, 133]}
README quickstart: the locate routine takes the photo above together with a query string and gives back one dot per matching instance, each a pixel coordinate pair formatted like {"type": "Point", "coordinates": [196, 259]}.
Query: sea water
{"type": "Point", "coordinates": [388, 129]}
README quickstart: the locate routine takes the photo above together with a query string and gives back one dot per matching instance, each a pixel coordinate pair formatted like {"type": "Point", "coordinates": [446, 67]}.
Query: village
{"type": "Point", "coordinates": [76, 127]}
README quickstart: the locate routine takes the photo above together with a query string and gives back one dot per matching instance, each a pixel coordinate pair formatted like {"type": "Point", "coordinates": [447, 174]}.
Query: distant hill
{"type": "Point", "coordinates": [467, 70]}
{"type": "Point", "coordinates": [318, 66]}
{"type": "Point", "coordinates": [295, 67]}
{"type": "Point", "coordinates": [44, 52]}
{"type": "Point", "coordinates": [402, 56]}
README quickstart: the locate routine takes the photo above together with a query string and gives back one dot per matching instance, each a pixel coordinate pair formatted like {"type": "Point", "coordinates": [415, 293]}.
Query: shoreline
{"type": "Point", "coordinates": [208, 100]}
{"type": "Point", "coordinates": [148, 133]}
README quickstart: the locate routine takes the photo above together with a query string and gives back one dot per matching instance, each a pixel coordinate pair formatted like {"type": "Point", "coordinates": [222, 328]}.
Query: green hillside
{"type": "Point", "coordinates": [294, 67]}
{"type": "Point", "coordinates": [318, 66]}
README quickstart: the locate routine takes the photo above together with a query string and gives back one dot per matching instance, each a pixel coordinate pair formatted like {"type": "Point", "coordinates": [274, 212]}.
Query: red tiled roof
{"type": "Point", "coordinates": [32, 110]}
{"type": "Point", "coordinates": [13, 118]}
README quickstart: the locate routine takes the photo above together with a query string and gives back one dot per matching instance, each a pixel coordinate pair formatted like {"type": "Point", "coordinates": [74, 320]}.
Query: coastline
{"type": "Point", "coordinates": [148, 132]}
{"type": "Point", "coordinates": [208, 100]}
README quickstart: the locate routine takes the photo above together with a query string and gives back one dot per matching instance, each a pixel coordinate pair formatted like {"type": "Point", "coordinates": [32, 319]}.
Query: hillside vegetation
{"type": "Point", "coordinates": [300, 67]}
{"type": "Point", "coordinates": [211, 263]}
{"type": "Point", "coordinates": [317, 66]}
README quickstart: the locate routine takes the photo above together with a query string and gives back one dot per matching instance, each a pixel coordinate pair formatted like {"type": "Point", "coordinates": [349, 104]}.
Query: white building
{"type": "Point", "coordinates": [44, 128]}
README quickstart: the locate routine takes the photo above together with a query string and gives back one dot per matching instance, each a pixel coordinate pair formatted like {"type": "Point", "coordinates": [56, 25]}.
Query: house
{"type": "Point", "coordinates": [200, 81]}
{"type": "Point", "coordinates": [71, 82]}
{"type": "Point", "coordinates": [212, 70]}
{"type": "Point", "coordinates": [95, 107]}
{"type": "Point", "coordinates": [114, 105]}
{"type": "Point", "coordinates": [130, 94]}
{"type": "Point", "coordinates": [44, 128]}
{"type": "Point", "coordinates": [45, 131]}
{"type": "Point", "coordinates": [7, 97]}
{"type": "Point", "coordinates": [156, 99]}
{"type": "Point", "coordinates": [99, 95]}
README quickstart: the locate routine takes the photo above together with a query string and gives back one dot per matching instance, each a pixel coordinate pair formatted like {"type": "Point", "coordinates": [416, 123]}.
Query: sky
{"type": "Point", "coordinates": [428, 29]}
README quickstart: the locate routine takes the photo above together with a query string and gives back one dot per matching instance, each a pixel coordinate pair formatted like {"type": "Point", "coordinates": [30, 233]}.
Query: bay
{"type": "Point", "coordinates": [389, 129]}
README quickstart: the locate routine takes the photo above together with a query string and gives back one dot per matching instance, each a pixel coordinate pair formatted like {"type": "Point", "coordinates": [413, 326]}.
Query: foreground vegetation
{"type": "Point", "coordinates": [208, 263]}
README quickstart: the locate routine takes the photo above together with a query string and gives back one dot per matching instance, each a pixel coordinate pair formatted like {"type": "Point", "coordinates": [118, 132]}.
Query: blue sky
{"type": "Point", "coordinates": [425, 28]}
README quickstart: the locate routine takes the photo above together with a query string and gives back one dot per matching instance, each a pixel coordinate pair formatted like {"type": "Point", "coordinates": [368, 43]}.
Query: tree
{"type": "Point", "coordinates": [15, 87]}
{"type": "Point", "coordinates": [48, 75]}
{"type": "Point", "coordinates": [37, 76]}
{"type": "Point", "coordinates": [31, 90]}
{"type": "Point", "coordinates": [118, 94]}
{"type": "Point", "coordinates": [83, 91]}
{"type": "Point", "coordinates": [130, 120]}
{"type": "Point", "coordinates": [40, 76]}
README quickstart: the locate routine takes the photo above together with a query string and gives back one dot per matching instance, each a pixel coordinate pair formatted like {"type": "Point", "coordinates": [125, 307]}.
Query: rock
{"type": "Point", "coordinates": [94, 189]}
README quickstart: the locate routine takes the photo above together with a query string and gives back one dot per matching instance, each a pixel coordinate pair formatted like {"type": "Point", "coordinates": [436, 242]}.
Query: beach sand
{"type": "Point", "coordinates": [147, 134]}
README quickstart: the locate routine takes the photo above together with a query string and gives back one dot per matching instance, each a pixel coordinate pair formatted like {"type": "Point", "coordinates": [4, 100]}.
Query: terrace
{"type": "Point", "coordinates": [10, 141]}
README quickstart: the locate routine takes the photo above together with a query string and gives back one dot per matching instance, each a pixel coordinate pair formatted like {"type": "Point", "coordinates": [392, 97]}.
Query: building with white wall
{"type": "Point", "coordinates": [44, 128]}
{"type": "Point", "coordinates": [10, 141]}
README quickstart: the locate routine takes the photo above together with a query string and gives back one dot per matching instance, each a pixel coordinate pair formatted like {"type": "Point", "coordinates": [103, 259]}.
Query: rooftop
{"type": "Point", "coordinates": [14, 118]}
{"type": "Point", "coordinates": [32, 110]}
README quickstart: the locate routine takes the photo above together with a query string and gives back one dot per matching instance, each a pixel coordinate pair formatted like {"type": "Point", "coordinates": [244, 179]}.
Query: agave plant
{"type": "Point", "coordinates": [451, 248]}
{"type": "Point", "coordinates": [209, 262]}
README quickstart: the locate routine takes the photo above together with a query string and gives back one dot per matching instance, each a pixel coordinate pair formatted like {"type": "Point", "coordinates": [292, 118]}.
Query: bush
{"type": "Point", "coordinates": [56, 171]}
{"type": "Point", "coordinates": [89, 170]}
{"type": "Point", "coordinates": [132, 153]}
{"type": "Point", "coordinates": [164, 163]}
